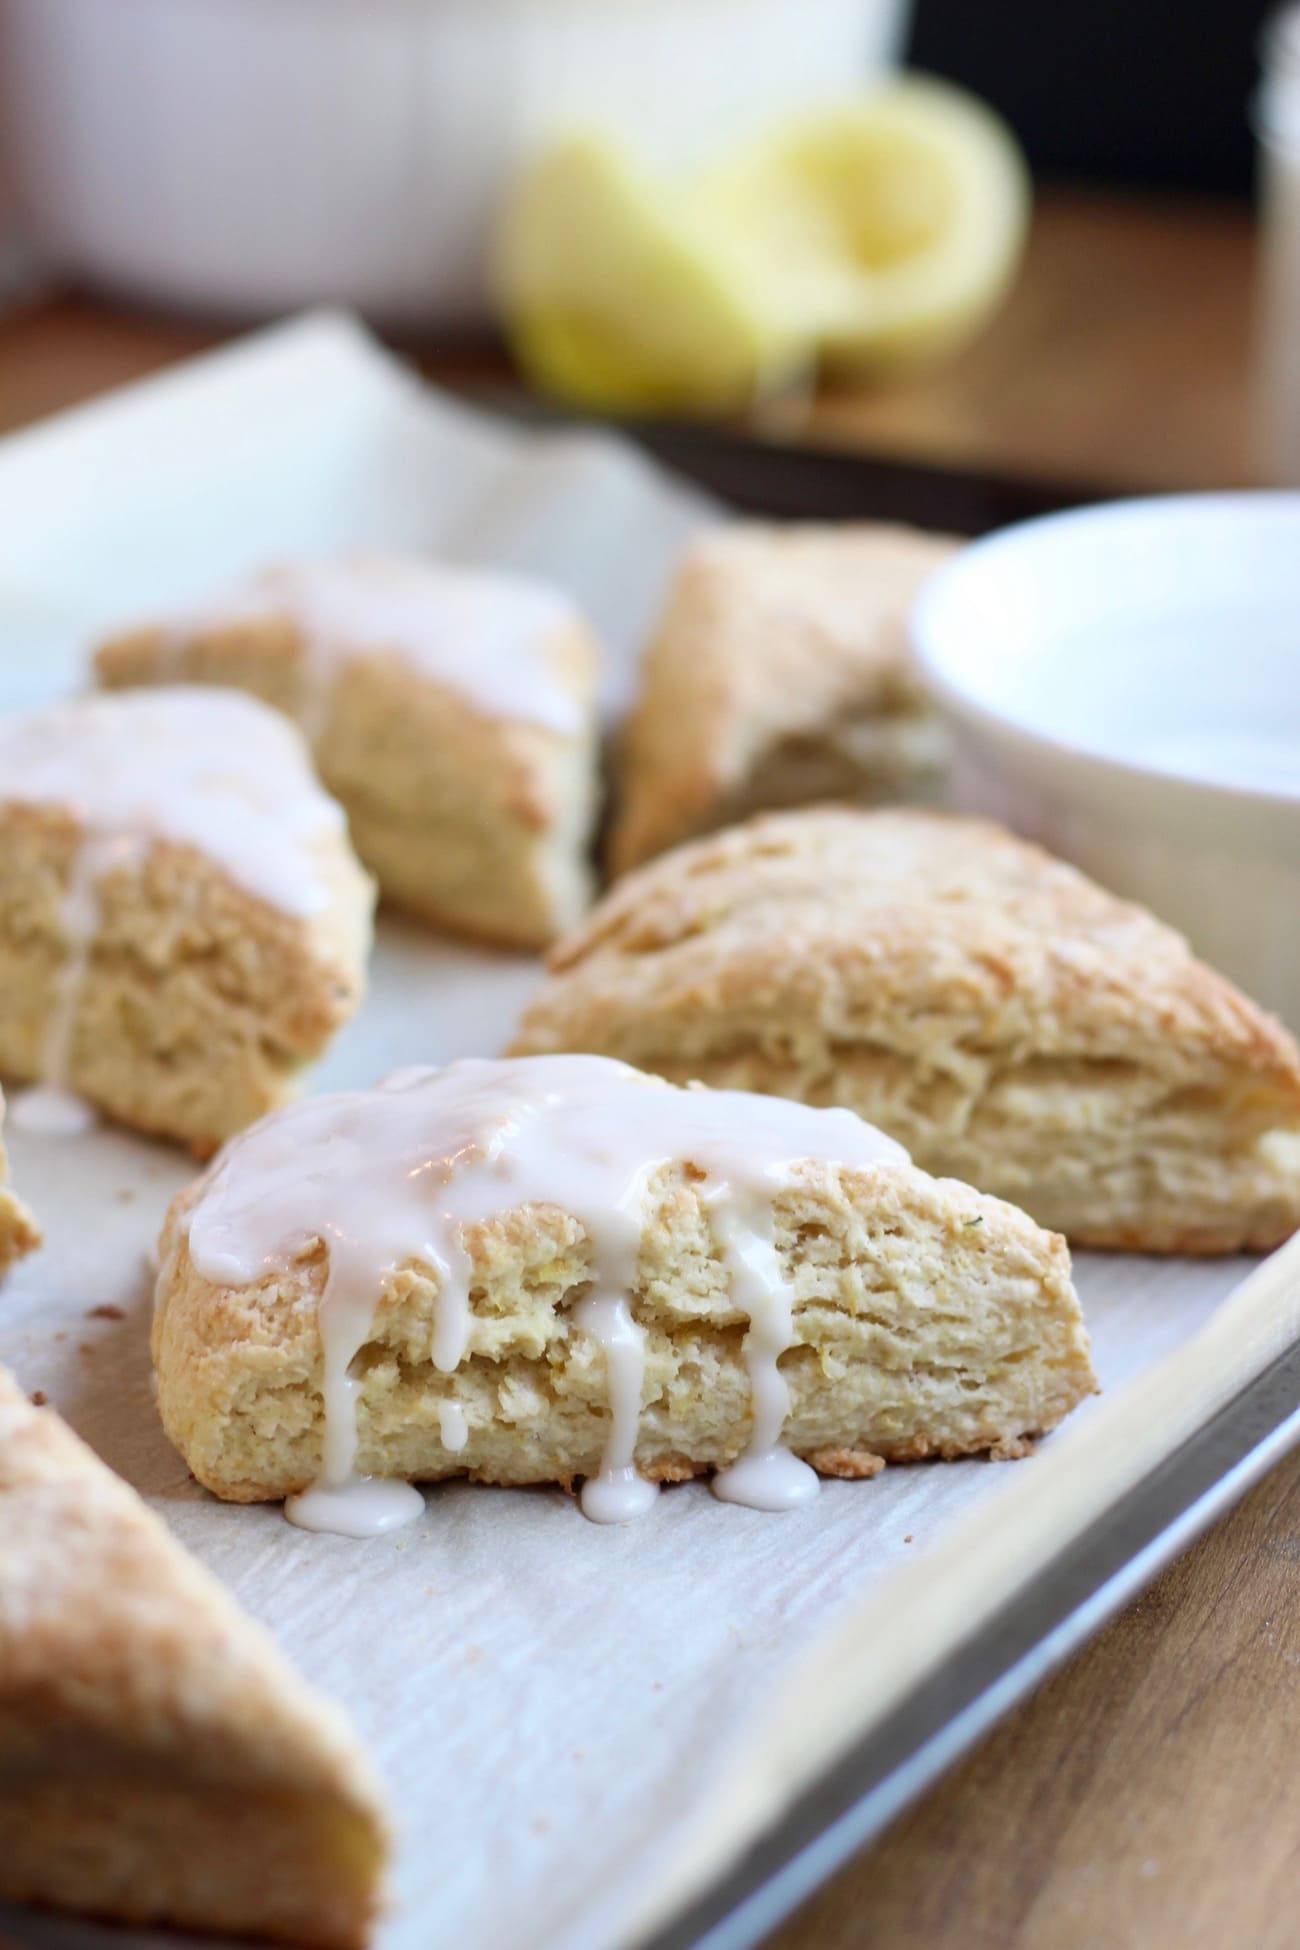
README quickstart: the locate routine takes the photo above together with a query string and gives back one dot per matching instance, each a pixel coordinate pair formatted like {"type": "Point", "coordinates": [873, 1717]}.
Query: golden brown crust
{"type": "Point", "coordinates": [851, 1465]}
{"type": "Point", "coordinates": [19, 1232]}
{"type": "Point", "coordinates": [1002, 1016]}
{"type": "Point", "coordinates": [475, 823]}
{"type": "Point", "coordinates": [927, 1320]}
{"type": "Point", "coordinates": [780, 672]}
{"type": "Point", "coordinates": [159, 1762]}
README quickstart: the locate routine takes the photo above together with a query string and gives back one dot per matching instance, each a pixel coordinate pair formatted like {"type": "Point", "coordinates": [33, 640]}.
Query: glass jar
{"type": "Point", "coordinates": [1277, 126]}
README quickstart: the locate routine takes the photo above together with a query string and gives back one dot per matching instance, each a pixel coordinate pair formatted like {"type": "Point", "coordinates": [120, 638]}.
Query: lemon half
{"type": "Point", "coordinates": [617, 297]}
{"type": "Point", "coordinates": [887, 229]}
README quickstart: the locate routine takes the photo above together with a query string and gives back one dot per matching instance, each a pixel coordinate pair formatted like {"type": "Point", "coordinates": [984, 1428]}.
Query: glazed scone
{"type": "Point", "coordinates": [600, 1277]}
{"type": "Point", "coordinates": [451, 711]}
{"type": "Point", "coordinates": [1008, 1021]}
{"type": "Point", "coordinates": [183, 925]}
{"type": "Point", "coordinates": [160, 1762]}
{"type": "Point", "coordinates": [779, 675]}
{"type": "Point", "coordinates": [19, 1232]}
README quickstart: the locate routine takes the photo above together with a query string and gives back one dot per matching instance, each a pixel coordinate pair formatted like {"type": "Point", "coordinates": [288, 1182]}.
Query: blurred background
{"type": "Point", "coordinates": [1055, 242]}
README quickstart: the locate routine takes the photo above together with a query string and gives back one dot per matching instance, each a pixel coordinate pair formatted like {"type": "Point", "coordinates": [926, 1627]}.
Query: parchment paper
{"type": "Point", "coordinates": [553, 1704]}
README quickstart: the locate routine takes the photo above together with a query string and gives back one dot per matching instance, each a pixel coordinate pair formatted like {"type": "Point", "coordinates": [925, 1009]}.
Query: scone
{"type": "Point", "coordinates": [183, 925]}
{"type": "Point", "coordinates": [544, 1270]}
{"type": "Point", "coordinates": [780, 675]}
{"type": "Point", "coordinates": [160, 1763]}
{"type": "Point", "coordinates": [19, 1232]}
{"type": "Point", "coordinates": [1004, 1018]}
{"type": "Point", "coordinates": [452, 711]}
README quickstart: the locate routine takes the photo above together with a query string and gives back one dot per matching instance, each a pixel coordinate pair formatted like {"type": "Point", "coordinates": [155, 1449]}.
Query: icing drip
{"type": "Point", "coordinates": [388, 1178]}
{"type": "Point", "coordinates": [79, 919]}
{"type": "Point", "coordinates": [364, 1506]}
{"type": "Point", "coordinates": [47, 1110]}
{"type": "Point", "coordinates": [766, 1476]}
{"type": "Point", "coordinates": [617, 1493]}
{"type": "Point", "coordinates": [217, 773]}
{"type": "Point", "coordinates": [452, 1426]}
{"type": "Point", "coordinates": [482, 632]}
{"type": "Point", "coordinates": [51, 1109]}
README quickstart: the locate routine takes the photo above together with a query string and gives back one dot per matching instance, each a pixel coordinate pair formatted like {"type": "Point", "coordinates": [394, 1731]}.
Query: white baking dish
{"type": "Point", "coordinates": [1124, 682]}
{"type": "Point", "coordinates": [255, 155]}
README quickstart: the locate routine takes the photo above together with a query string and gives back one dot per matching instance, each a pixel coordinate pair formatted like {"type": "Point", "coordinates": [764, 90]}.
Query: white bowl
{"type": "Point", "coordinates": [1124, 684]}
{"type": "Point", "coordinates": [257, 155]}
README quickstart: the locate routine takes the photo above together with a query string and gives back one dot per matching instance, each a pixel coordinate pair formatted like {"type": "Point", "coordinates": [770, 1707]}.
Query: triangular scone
{"type": "Point", "coordinates": [779, 675]}
{"type": "Point", "coordinates": [1004, 1018]}
{"type": "Point", "coordinates": [452, 711]}
{"type": "Point", "coordinates": [159, 1761]}
{"type": "Point", "coordinates": [920, 1318]}
{"type": "Point", "coordinates": [19, 1232]}
{"type": "Point", "coordinates": [183, 924]}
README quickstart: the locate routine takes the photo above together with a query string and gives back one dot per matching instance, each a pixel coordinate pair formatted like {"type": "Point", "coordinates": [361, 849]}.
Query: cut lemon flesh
{"type": "Point", "coordinates": [887, 229]}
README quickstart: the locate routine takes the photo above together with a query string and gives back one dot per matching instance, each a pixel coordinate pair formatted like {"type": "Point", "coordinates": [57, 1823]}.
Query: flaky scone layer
{"type": "Point", "coordinates": [780, 674]}
{"type": "Point", "coordinates": [19, 1232]}
{"type": "Point", "coordinates": [159, 1761]}
{"type": "Point", "coordinates": [474, 822]}
{"type": "Point", "coordinates": [928, 1320]}
{"type": "Point", "coordinates": [199, 1006]}
{"type": "Point", "coordinates": [1005, 1019]}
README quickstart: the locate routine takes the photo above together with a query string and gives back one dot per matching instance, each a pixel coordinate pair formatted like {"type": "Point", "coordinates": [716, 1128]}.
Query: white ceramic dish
{"type": "Point", "coordinates": [256, 155]}
{"type": "Point", "coordinates": [1124, 682]}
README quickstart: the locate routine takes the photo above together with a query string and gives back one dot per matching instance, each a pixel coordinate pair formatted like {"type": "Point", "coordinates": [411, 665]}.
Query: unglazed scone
{"type": "Point", "coordinates": [452, 711]}
{"type": "Point", "coordinates": [19, 1232]}
{"type": "Point", "coordinates": [597, 1276]}
{"type": "Point", "coordinates": [160, 1763]}
{"type": "Point", "coordinates": [183, 924]}
{"type": "Point", "coordinates": [1008, 1021]}
{"type": "Point", "coordinates": [779, 675]}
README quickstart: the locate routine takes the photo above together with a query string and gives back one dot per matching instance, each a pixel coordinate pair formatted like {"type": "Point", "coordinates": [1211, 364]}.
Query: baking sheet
{"type": "Point", "coordinates": [577, 1724]}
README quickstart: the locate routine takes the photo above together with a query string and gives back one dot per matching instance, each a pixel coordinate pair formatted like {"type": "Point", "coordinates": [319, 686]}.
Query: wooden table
{"type": "Point", "coordinates": [1149, 1797]}
{"type": "Point", "coordinates": [1121, 359]}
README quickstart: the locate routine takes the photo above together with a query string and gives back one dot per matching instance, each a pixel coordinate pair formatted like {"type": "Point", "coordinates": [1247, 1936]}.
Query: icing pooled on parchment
{"type": "Point", "coordinates": [396, 1175]}
{"type": "Point", "coordinates": [482, 632]}
{"type": "Point", "coordinates": [214, 770]}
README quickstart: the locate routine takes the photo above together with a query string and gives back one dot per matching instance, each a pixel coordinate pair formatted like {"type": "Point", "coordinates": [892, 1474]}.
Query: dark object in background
{"type": "Point", "coordinates": [1155, 92]}
{"type": "Point", "coordinates": [774, 482]}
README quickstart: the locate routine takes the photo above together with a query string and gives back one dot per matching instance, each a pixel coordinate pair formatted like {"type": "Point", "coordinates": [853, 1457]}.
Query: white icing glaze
{"type": "Point", "coordinates": [482, 632]}
{"type": "Point", "coordinates": [363, 1506]}
{"type": "Point", "coordinates": [387, 1177]}
{"type": "Point", "coordinates": [766, 1476]}
{"type": "Point", "coordinates": [210, 769]}
{"type": "Point", "coordinates": [452, 1426]}
{"type": "Point", "coordinates": [47, 1110]}
{"type": "Point", "coordinates": [51, 1109]}
{"type": "Point", "coordinates": [214, 770]}
{"type": "Point", "coordinates": [617, 1493]}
